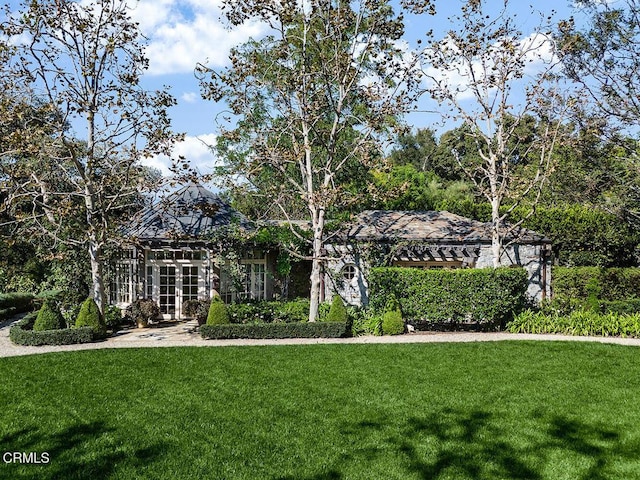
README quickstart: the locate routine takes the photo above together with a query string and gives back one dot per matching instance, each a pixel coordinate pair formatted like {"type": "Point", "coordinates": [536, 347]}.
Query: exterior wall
{"type": "Point", "coordinates": [353, 291]}
{"type": "Point", "coordinates": [534, 258]}
{"type": "Point", "coordinates": [150, 269]}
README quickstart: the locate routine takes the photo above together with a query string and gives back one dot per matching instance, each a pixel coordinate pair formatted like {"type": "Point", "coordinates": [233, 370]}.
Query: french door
{"type": "Point", "coordinates": [171, 285]}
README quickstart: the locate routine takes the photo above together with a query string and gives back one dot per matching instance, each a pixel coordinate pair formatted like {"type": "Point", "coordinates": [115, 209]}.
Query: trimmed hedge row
{"type": "Point", "coordinates": [578, 322]}
{"type": "Point", "coordinates": [610, 284]}
{"type": "Point", "coordinates": [22, 334]}
{"type": "Point", "coordinates": [12, 303]}
{"type": "Point", "coordinates": [488, 297]}
{"type": "Point", "coordinates": [275, 330]}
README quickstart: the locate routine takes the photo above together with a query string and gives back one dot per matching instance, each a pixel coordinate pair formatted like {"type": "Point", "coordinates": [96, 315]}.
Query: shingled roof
{"type": "Point", "coordinates": [191, 213]}
{"type": "Point", "coordinates": [436, 227]}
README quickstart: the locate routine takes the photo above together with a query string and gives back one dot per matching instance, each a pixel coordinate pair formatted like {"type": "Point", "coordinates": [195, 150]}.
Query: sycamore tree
{"type": "Point", "coordinates": [78, 165]}
{"type": "Point", "coordinates": [485, 75]}
{"type": "Point", "coordinates": [600, 50]}
{"type": "Point", "coordinates": [311, 103]}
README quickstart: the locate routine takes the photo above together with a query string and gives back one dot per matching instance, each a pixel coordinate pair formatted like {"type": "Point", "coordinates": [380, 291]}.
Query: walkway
{"type": "Point", "coordinates": [184, 334]}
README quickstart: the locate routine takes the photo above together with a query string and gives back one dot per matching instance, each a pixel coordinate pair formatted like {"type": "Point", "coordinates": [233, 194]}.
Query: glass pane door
{"type": "Point", "coordinates": [167, 283]}
{"type": "Point", "coordinates": [189, 283]}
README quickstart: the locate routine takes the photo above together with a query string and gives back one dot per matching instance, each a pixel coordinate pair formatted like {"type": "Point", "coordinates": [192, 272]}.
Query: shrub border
{"type": "Point", "coordinates": [22, 334]}
{"type": "Point", "coordinates": [275, 330]}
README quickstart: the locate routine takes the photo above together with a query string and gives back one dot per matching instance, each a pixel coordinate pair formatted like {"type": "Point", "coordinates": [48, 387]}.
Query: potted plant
{"type": "Point", "coordinates": [143, 311]}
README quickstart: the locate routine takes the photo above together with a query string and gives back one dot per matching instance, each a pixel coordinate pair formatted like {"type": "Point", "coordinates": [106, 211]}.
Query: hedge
{"type": "Point", "coordinates": [429, 298]}
{"type": "Point", "coordinates": [12, 303]}
{"type": "Point", "coordinates": [275, 330]}
{"type": "Point", "coordinates": [579, 322]}
{"type": "Point", "coordinates": [608, 284]}
{"type": "Point", "coordinates": [22, 334]}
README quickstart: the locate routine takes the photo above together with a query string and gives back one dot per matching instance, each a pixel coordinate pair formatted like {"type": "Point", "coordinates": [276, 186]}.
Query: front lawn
{"type": "Point", "coordinates": [484, 410]}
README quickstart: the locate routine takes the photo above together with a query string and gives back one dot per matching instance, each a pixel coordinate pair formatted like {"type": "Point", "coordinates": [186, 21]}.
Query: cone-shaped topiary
{"type": "Point", "coordinates": [337, 312]}
{"type": "Point", "coordinates": [392, 322]}
{"type": "Point", "coordinates": [49, 318]}
{"type": "Point", "coordinates": [89, 316]}
{"type": "Point", "coordinates": [218, 314]}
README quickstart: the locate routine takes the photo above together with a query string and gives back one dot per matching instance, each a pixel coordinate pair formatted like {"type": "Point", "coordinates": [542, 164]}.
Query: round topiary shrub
{"type": "Point", "coordinates": [49, 318]}
{"type": "Point", "coordinates": [89, 316]}
{"type": "Point", "coordinates": [392, 322]}
{"type": "Point", "coordinates": [337, 312]}
{"type": "Point", "coordinates": [218, 314]}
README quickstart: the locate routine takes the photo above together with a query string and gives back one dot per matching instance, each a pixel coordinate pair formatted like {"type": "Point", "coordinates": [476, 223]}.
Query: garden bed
{"type": "Point", "coordinates": [22, 334]}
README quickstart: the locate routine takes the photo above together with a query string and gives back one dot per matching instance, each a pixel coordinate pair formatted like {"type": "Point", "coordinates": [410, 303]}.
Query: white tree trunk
{"type": "Point", "coordinates": [97, 281]}
{"type": "Point", "coordinates": [496, 239]}
{"type": "Point", "coordinates": [316, 264]}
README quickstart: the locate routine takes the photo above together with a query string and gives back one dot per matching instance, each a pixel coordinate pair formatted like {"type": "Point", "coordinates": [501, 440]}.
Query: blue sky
{"type": "Point", "coordinates": [184, 32]}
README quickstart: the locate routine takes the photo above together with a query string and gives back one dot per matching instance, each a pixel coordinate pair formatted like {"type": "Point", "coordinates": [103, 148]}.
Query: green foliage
{"type": "Point", "coordinates": [271, 311]}
{"type": "Point", "coordinates": [487, 297]}
{"type": "Point", "coordinates": [20, 302]}
{"type": "Point", "coordinates": [113, 318]}
{"type": "Point", "coordinates": [578, 322]}
{"type": "Point", "coordinates": [392, 322]}
{"type": "Point", "coordinates": [24, 333]}
{"type": "Point", "coordinates": [276, 330]}
{"type": "Point", "coordinates": [364, 321]}
{"type": "Point", "coordinates": [89, 316]}
{"type": "Point", "coordinates": [338, 312]}
{"type": "Point", "coordinates": [49, 318]}
{"type": "Point", "coordinates": [143, 311]}
{"type": "Point", "coordinates": [218, 314]}
{"type": "Point", "coordinates": [586, 236]}
{"type": "Point", "coordinates": [583, 283]}
{"type": "Point", "coordinates": [405, 188]}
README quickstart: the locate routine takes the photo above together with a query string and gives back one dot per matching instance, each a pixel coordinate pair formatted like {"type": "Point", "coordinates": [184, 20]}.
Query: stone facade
{"type": "Point", "coordinates": [426, 240]}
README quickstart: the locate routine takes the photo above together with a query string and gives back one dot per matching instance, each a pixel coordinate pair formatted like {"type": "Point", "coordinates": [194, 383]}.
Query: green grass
{"type": "Point", "coordinates": [487, 410]}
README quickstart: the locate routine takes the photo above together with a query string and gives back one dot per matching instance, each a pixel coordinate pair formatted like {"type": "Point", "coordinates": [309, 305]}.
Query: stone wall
{"type": "Point", "coordinates": [354, 291]}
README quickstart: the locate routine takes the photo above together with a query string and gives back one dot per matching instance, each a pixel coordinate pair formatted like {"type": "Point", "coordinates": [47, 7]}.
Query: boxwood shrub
{"type": "Point", "coordinates": [451, 298]}
{"type": "Point", "coordinates": [22, 334]}
{"type": "Point", "coordinates": [275, 330]}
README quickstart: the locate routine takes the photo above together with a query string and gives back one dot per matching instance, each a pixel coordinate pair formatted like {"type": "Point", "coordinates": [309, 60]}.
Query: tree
{"type": "Point", "coordinates": [314, 99]}
{"type": "Point", "coordinates": [82, 62]}
{"type": "Point", "coordinates": [602, 54]}
{"type": "Point", "coordinates": [473, 74]}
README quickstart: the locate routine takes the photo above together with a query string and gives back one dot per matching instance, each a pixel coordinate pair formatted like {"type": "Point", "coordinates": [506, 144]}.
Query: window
{"type": "Point", "coordinates": [253, 282]}
{"type": "Point", "coordinates": [149, 285]}
{"type": "Point", "coordinates": [349, 272]}
{"type": "Point", "coordinates": [121, 285]}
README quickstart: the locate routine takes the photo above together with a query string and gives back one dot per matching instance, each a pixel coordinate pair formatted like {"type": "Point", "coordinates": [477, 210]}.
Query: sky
{"type": "Point", "coordinates": [184, 33]}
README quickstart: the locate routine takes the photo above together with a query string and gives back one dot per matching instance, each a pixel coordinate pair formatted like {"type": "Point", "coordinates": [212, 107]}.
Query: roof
{"type": "Point", "coordinates": [190, 213]}
{"type": "Point", "coordinates": [437, 227]}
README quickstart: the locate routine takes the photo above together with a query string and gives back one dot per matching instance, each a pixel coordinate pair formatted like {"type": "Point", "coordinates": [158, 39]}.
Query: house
{"type": "Point", "coordinates": [180, 249]}
{"type": "Point", "coordinates": [427, 240]}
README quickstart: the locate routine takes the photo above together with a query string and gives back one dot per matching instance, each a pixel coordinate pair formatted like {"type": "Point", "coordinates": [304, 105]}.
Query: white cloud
{"type": "Point", "coordinates": [184, 32]}
{"type": "Point", "coordinates": [190, 97]}
{"type": "Point", "coordinates": [535, 52]}
{"type": "Point", "coordinates": [195, 150]}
